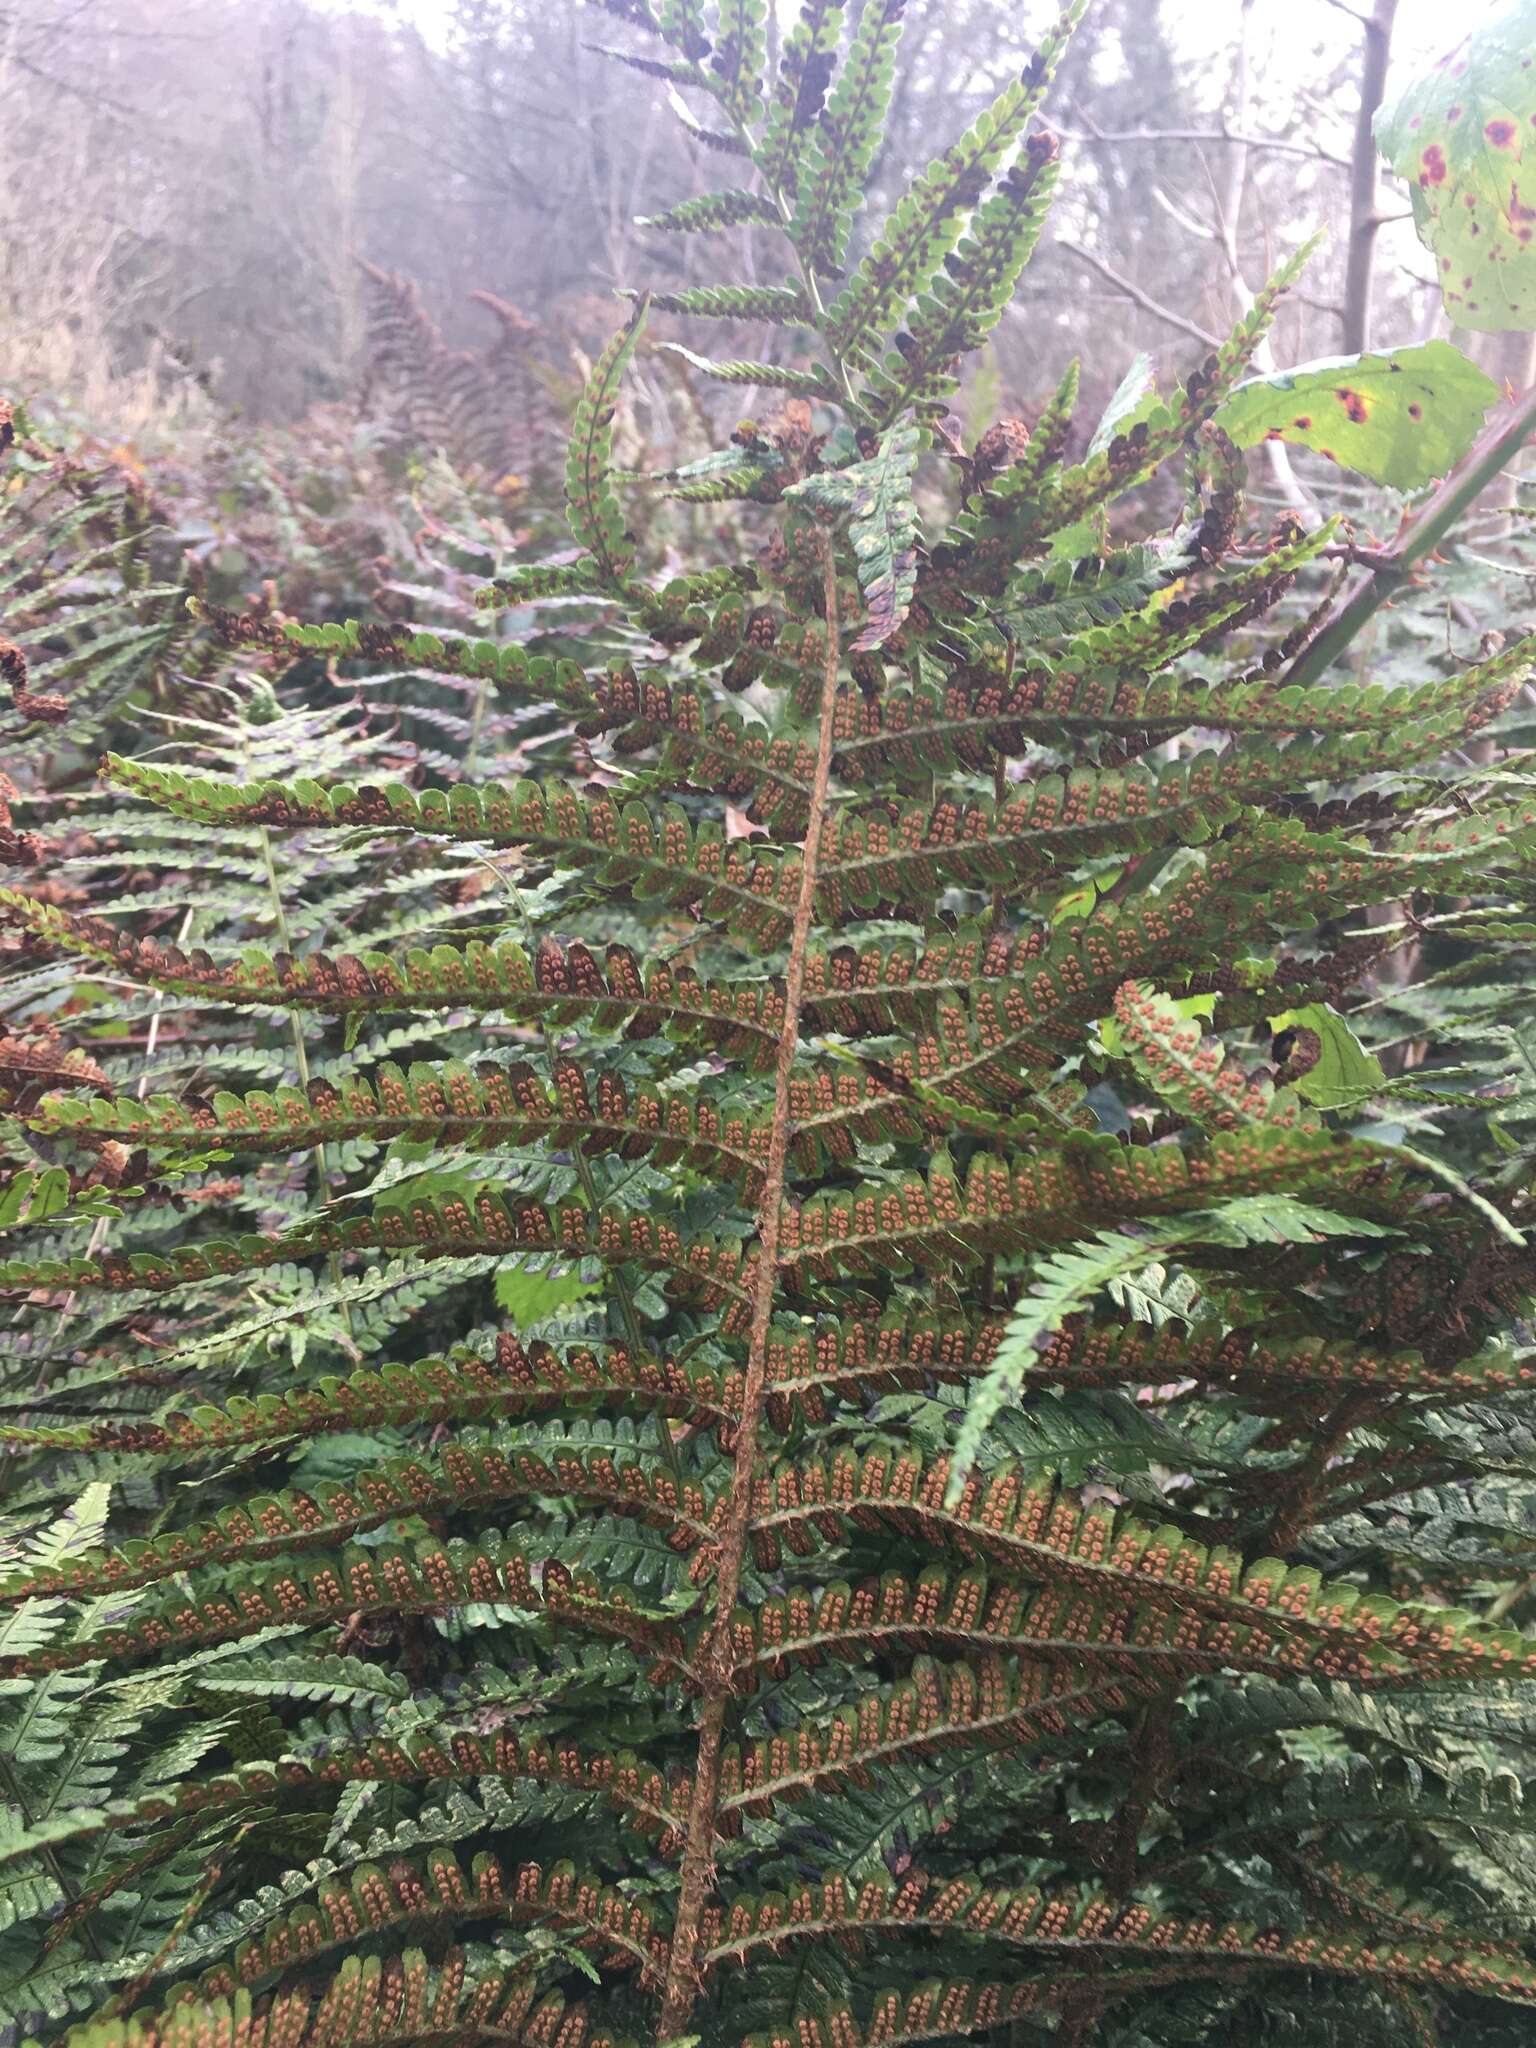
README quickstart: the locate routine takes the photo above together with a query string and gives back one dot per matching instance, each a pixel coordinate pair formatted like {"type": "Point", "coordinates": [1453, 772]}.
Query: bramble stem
{"type": "Point", "coordinates": [1493, 449]}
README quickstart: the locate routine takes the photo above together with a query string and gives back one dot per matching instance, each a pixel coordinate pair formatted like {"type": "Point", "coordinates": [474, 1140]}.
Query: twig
{"type": "Point", "coordinates": [1138, 297]}
{"type": "Point", "coordinates": [1155, 135]}
{"type": "Point", "coordinates": [1365, 215]}
{"type": "Point", "coordinates": [1186, 221]}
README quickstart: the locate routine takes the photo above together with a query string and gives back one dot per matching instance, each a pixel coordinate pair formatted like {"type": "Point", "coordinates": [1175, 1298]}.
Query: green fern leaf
{"type": "Point", "coordinates": [830, 176]}
{"type": "Point", "coordinates": [590, 506]}
{"type": "Point", "coordinates": [1070, 1281]}
{"type": "Point", "coordinates": [806, 64]}
{"type": "Point", "coordinates": [876, 495]}
{"type": "Point", "coordinates": [912, 245]}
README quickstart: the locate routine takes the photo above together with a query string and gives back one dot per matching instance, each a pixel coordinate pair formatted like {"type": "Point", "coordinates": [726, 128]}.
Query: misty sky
{"type": "Point", "coordinates": [1425, 28]}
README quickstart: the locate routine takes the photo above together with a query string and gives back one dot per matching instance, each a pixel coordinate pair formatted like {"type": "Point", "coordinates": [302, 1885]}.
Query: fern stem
{"type": "Point", "coordinates": [697, 1873]}
{"type": "Point", "coordinates": [1296, 1509]}
{"type": "Point", "coordinates": [280, 926]}
{"type": "Point", "coordinates": [1503, 1607]}
{"type": "Point", "coordinates": [476, 729]}
{"type": "Point", "coordinates": [207, 1884]}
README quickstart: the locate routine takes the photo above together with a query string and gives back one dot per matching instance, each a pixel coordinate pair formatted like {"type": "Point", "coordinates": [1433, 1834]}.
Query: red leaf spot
{"type": "Point", "coordinates": [1415, 412]}
{"type": "Point", "coordinates": [1329, 453]}
{"type": "Point", "coordinates": [1353, 404]}
{"type": "Point", "coordinates": [1433, 161]}
{"type": "Point", "coordinates": [1517, 209]}
{"type": "Point", "coordinates": [1453, 113]}
{"type": "Point", "coordinates": [1500, 133]}
{"type": "Point", "coordinates": [1274, 434]}
{"type": "Point", "coordinates": [1301, 422]}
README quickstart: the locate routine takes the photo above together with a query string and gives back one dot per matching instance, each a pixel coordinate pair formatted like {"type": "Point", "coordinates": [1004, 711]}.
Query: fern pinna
{"type": "Point", "coordinates": [984, 1509]}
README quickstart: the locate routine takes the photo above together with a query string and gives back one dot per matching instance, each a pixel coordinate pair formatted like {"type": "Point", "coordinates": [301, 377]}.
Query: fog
{"type": "Point", "coordinates": [190, 192]}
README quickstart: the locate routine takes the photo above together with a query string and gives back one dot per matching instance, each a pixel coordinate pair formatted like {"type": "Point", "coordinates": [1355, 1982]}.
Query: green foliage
{"type": "Point", "coordinates": [590, 506]}
{"type": "Point", "coordinates": [828, 179]}
{"type": "Point", "coordinates": [876, 495]}
{"type": "Point", "coordinates": [820, 1334]}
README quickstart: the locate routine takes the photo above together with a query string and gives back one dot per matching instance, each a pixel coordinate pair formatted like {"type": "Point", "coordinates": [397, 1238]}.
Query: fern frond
{"type": "Point", "coordinates": [593, 512]}
{"type": "Point", "coordinates": [830, 173]}
{"type": "Point", "coordinates": [375, 2002]}
{"type": "Point", "coordinates": [911, 247]}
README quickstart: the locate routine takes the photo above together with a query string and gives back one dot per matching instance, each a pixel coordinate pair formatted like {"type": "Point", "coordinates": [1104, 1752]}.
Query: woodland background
{"type": "Point", "coordinates": [188, 192]}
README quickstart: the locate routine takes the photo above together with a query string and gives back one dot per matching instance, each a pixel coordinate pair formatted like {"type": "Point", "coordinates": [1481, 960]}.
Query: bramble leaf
{"type": "Point", "coordinates": [1401, 418]}
{"type": "Point", "coordinates": [1462, 137]}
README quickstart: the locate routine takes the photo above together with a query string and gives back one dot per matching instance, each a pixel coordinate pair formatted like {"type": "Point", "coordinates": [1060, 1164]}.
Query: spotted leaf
{"type": "Point", "coordinates": [1464, 137]}
{"type": "Point", "coordinates": [1401, 418]}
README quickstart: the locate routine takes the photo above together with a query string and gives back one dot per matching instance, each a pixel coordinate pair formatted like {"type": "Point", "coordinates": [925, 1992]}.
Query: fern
{"type": "Point", "coordinates": [759, 1341]}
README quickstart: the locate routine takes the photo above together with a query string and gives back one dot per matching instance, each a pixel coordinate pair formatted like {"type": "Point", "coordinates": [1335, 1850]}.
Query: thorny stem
{"type": "Point", "coordinates": [1495, 448]}
{"type": "Point", "coordinates": [697, 1873]}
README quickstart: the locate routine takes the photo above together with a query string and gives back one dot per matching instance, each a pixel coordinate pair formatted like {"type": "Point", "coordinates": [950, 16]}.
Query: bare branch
{"type": "Point", "coordinates": [1187, 221]}
{"type": "Point", "coordinates": [1365, 214]}
{"type": "Point", "coordinates": [1138, 297]}
{"type": "Point", "coordinates": [1275, 143]}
